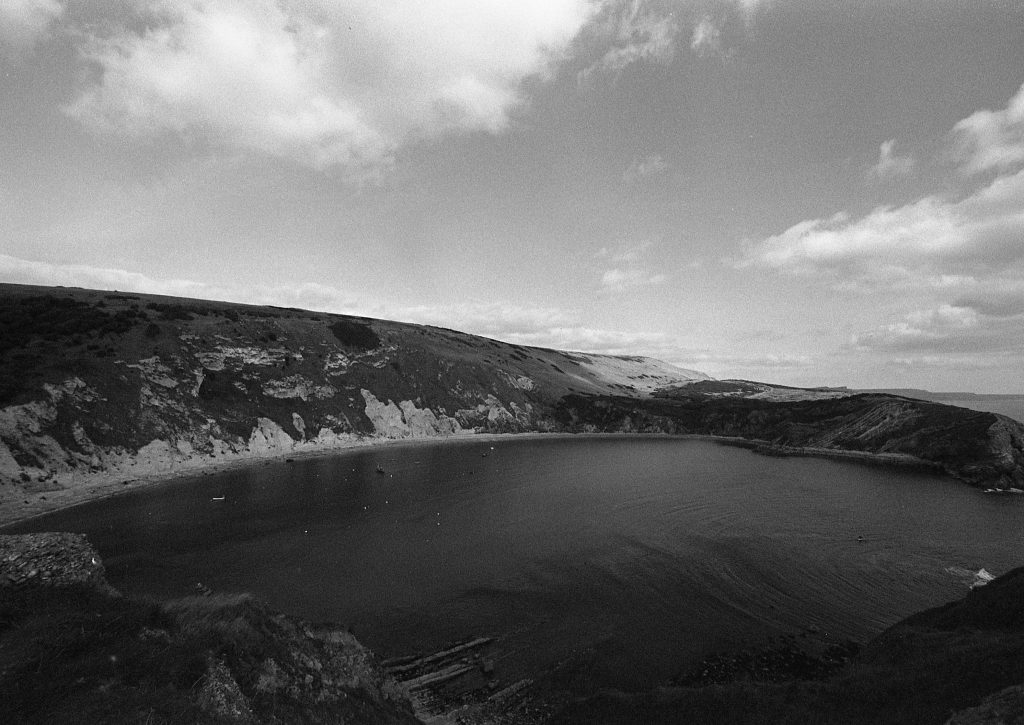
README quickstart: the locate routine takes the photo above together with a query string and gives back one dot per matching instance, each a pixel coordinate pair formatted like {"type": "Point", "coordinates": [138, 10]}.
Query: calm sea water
{"type": "Point", "coordinates": [650, 552]}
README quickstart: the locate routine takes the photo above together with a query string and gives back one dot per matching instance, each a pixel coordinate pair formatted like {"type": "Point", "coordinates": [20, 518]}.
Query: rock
{"type": "Point", "coordinates": [221, 696]}
{"type": "Point", "coordinates": [51, 560]}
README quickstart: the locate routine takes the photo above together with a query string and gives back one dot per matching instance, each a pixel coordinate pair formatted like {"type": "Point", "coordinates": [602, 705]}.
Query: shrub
{"type": "Point", "coordinates": [354, 334]}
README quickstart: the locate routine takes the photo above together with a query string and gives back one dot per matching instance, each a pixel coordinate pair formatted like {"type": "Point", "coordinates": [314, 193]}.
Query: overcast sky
{"type": "Point", "coordinates": [812, 192]}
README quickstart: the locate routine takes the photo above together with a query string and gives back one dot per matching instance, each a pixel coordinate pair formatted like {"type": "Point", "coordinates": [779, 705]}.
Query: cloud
{"type": "Point", "coordinates": [642, 168]}
{"type": "Point", "coordinates": [587, 339]}
{"type": "Point", "coordinates": [989, 140]}
{"type": "Point", "coordinates": [624, 252]}
{"type": "Point", "coordinates": [321, 83]}
{"type": "Point", "coordinates": [938, 240]}
{"type": "Point", "coordinates": [629, 32]}
{"type": "Point", "coordinates": [981, 233]}
{"type": "Point", "coordinates": [1006, 300]}
{"type": "Point", "coordinates": [618, 280]}
{"type": "Point", "coordinates": [952, 362]}
{"type": "Point", "coordinates": [489, 319]}
{"type": "Point", "coordinates": [23, 22]}
{"type": "Point", "coordinates": [961, 328]}
{"type": "Point", "coordinates": [307, 295]}
{"type": "Point", "coordinates": [890, 165]}
{"type": "Point", "coordinates": [706, 39]}
{"type": "Point", "coordinates": [629, 273]}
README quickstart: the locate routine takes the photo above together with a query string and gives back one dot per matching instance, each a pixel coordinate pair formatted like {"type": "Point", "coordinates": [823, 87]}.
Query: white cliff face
{"type": "Point", "coordinates": [24, 428]}
{"type": "Point", "coordinates": [226, 357]}
{"type": "Point", "coordinates": [405, 420]}
{"type": "Point", "coordinates": [268, 438]}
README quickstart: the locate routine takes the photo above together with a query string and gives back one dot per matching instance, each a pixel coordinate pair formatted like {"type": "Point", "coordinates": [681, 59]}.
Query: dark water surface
{"type": "Point", "coordinates": [651, 552]}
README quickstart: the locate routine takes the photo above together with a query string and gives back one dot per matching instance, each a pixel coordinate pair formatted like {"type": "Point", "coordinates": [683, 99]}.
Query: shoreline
{"type": "Point", "coordinates": [98, 487]}
{"type": "Point", "coordinates": [103, 485]}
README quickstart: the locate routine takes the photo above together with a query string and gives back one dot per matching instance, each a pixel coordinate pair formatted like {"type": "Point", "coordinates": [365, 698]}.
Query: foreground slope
{"type": "Point", "coordinates": [73, 650]}
{"type": "Point", "coordinates": [98, 387]}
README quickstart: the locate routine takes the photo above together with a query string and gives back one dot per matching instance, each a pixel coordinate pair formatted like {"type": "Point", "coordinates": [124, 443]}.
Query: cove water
{"type": "Point", "coordinates": [635, 556]}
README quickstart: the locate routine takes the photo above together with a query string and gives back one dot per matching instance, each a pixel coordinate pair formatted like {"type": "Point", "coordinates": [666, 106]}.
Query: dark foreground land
{"type": "Point", "coordinates": [73, 650]}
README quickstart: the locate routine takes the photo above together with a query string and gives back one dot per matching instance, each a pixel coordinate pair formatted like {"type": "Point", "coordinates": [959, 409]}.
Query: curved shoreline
{"type": "Point", "coordinates": [98, 486]}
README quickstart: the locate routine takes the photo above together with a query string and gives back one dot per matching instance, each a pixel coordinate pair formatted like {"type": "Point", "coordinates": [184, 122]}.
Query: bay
{"type": "Point", "coordinates": [631, 556]}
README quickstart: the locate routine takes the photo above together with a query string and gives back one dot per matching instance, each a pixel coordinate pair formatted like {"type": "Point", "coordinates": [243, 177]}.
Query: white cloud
{"type": "Point", "coordinates": [587, 339]}
{"type": "Point", "coordinates": [962, 328]}
{"type": "Point", "coordinates": [489, 319]}
{"type": "Point", "coordinates": [982, 233]}
{"type": "Point", "coordinates": [931, 242]}
{"type": "Point", "coordinates": [320, 82]}
{"type": "Point", "coordinates": [993, 139]}
{"type": "Point", "coordinates": [307, 295]}
{"type": "Point", "coordinates": [631, 31]}
{"type": "Point", "coordinates": [618, 279]}
{"type": "Point", "coordinates": [954, 362]}
{"type": "Point", "coordinates": [890, 165]}
{"type": "Point", "coordinates": [624, 252]}
{"type": "Point", "coordinates": [706, 39]}
{"type": "Point", "coordinates": [999, 300]}
{"type": "Point", "coordinates": [629, 272]}
{"type": "Point", "coordinates": [642, 168]}
{"type": "Point", "coordinates": [22, 22]}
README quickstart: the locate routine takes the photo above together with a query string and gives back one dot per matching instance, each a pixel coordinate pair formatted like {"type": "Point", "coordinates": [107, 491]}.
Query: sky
{"type": "Point", "coordinates": [806, 192]}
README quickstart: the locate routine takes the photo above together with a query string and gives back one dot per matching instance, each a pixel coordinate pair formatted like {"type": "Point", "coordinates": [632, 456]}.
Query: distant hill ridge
{"type": "Point", "coordinates": [99, 387]}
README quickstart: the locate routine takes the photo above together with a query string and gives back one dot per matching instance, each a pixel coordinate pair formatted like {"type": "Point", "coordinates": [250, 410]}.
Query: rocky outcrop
{"type": "Point", "coordinates": [50, 560]}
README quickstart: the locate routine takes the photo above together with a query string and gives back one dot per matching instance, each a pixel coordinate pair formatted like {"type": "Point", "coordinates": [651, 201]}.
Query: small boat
{"type": "Point", "coordinates": [381, 470]}
{"type": "Point", "coordinates": [217, 498]}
